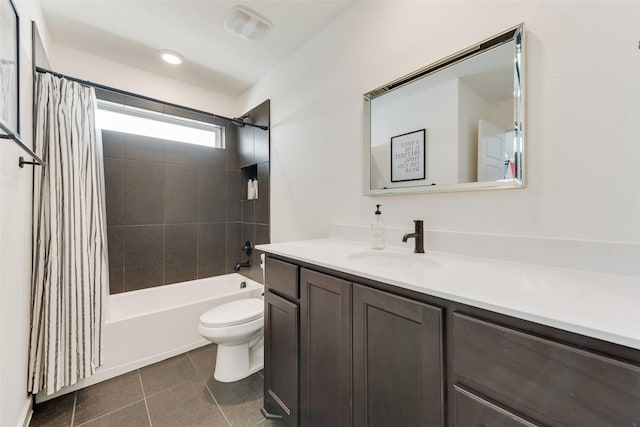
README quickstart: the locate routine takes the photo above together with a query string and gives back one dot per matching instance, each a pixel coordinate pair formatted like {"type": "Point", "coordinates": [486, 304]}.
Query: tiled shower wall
{"type": "Point", "coordinates": [253, 148]}
{"type": "Point", "coordinates": [174, 210]}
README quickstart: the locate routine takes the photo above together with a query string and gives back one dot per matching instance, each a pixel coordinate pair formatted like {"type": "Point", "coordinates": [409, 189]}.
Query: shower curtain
{"type": "Point", "coordinates": [70, 270]}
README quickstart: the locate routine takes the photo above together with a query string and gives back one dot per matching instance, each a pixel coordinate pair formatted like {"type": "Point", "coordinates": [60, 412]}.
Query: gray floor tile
{"type": "Point", "coordinates": [55, 412]}
{"type": "Point", "coordinates": [271, 423]}
{"type": "Point", "coordinates": [204, 359]}
{"type": "Point", "coordinates": [240, 401]}
{"type": "Point", "coordinates": [166, 374]}
{"type": "Point", "coordinates": [100, 399]}
{"type": "Point", "coordinates": [130, 416]}
{"type": "Point", "coordinates": [176, 396]}
{"type": "Point", "coordinates": [187, 405]}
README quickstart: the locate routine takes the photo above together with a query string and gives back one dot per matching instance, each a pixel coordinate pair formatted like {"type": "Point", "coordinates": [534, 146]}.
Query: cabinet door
{"type": "Point", "coordinates": [325, 352]}
{"type": "Point", "coordinates": [473, 411]}
{"type": "Point", "coordinates": [281, 358]}
{"type": "Point", "coordinates": [397, 361]}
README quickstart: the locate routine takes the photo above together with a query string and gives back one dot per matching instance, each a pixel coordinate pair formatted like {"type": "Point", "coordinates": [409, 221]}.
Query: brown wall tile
{"type": "Point", "coordinates": [245, 146]}
{"type": "Point", "coordinates": [114, 190]}
{"type": "Point", "coordinates": [143, 192]}
{"type": "Point", "coordinates": [211, 157]}
{"type": "Point", "coordinates": [115, 242]}
{"type": "Point", "coordinates": [180, 253]}
{"type": "Point", "coordinates": [260, 116]}
{"type": "Point", "coordinates": [180, 194]}
{"type": "Point", "coordinates": [262, 235]}
{"type": "Point", "coordinates": [211, 249]}
{"type": "Point", "coordinates": [234, 246]}
{"type": "Point", "coordinates": [261, 145]}
{"type": "Point", "coordinates": [233, 196]}
{"type": "Point", "coordinates": [143, 256]}
{"type": "Point", "coordinates": [263, 202]}
{"type": "Point", "coordinates": [212, 203]}
{"type": "Point", "coordinates": [138, 147]}
{"type": "Point", "coordinates": [231, 145]}
{"type": "Point", "coordinates": [248, 210]}
{"type": "Point", "coordinates": [180, 153]}
{"type": "Point", "coordinates": [112, 143]}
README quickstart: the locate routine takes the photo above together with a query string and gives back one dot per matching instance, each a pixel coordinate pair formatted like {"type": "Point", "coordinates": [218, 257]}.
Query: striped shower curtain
{"type": "Point", "coordinates": [70, 269]}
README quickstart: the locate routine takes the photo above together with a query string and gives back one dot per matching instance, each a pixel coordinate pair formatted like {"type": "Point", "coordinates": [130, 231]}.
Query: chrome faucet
{"type": "Point", "coordinates": [418, 235]}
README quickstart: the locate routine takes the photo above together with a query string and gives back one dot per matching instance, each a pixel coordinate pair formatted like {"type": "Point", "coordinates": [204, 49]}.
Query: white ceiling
{"type": "Point", "coordinates": [132, 32]}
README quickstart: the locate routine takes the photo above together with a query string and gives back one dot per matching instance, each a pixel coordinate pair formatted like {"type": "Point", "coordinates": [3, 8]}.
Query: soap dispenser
{"type": "Point", "coordinates": [377, 230]}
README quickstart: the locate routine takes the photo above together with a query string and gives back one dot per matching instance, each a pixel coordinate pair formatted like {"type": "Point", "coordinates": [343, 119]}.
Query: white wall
{"type": "Point", "coordinates": [501, 113]}
{"type": "Point", "coordinates": [583, 135]}
{"type": "Point", "coordinates": [96, 69]}
{"type": "Point", "coordinates": [15, 242]}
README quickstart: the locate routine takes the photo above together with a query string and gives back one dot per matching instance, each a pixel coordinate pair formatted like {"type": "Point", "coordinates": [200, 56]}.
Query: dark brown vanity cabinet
{"type": "Point", "coordinates": [281, 341]}
{"type": "Point", "coordinates": [366, 357]}
{"type": "Point", "coordinates": [342, 353]}
{"type": "Point", "coordinates": [397, 361]}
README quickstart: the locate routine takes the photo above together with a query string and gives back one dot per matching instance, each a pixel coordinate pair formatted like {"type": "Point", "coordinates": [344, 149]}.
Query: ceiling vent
{"type": "Point", "coordinates": [246, 23]}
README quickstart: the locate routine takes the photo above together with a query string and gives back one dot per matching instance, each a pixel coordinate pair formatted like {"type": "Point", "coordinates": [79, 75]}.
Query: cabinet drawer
{"type": "Point", "coordinates": [554, 383]}
{"type": "Point", "coordinates": [282, 277]}
{"type": "Point", "coordinates": [473, 411]}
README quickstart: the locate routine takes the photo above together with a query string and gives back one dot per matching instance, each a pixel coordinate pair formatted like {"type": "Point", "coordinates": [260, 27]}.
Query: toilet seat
{"type": "Point", "coordinates": [233, 313]}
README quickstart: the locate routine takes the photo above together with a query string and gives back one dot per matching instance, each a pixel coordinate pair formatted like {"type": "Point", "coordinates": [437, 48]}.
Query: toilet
{"type": "Point", "coordinates": [238, 329]}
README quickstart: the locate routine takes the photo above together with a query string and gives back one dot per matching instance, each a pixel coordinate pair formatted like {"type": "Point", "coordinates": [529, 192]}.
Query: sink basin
{"type": "Point", "coordinates": [398, 260]}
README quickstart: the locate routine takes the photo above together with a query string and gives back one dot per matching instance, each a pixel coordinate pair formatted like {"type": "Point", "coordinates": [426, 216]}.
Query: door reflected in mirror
{"type": "Point", "coordinates": [451, 126]}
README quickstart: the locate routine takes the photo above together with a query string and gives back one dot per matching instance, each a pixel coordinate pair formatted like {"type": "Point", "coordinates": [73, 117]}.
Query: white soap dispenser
{"type": "Point", "coordinates": [377, 230]}
{"type": "Point", "coordinates": [250, 190]}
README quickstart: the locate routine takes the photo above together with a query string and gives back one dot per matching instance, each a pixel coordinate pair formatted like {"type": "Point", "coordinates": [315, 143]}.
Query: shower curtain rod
{"type": "Point", "coordinates": [238, 122]}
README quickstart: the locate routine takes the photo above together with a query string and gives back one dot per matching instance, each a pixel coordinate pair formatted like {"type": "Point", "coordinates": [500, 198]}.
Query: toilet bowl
{"type": "Point", "coordinates": [238, 329]}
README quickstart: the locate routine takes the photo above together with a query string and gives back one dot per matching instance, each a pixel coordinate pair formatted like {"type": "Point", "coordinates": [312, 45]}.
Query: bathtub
{"type": "Point", "coordinates": [147, 326]}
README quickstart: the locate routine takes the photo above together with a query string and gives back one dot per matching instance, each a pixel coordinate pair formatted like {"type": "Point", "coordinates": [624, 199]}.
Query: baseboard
{"type": "Point", "coordinates": [27, 413]}
{"type": "Point", "coordinates": [112, 372]}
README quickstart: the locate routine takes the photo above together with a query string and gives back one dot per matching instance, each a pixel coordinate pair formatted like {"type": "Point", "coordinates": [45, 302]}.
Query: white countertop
{"type": "Point", "coordinates": [598, 305]}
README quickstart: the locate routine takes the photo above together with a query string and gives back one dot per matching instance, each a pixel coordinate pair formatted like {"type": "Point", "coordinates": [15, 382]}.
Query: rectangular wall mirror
{"type": "Point", "coordinates": [455, 125]}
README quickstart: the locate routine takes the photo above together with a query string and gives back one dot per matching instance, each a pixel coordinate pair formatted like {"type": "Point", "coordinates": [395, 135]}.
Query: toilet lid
{"type": "Point", "coordinates": [233, 313]}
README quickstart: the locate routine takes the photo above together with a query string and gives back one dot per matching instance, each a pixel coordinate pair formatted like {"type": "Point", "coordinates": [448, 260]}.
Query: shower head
{"type": "Point", "coordinates": [239, 122]}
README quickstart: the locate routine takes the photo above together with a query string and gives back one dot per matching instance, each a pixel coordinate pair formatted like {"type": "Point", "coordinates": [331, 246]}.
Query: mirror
{"type": "Point", "coordinates": [455, 125]}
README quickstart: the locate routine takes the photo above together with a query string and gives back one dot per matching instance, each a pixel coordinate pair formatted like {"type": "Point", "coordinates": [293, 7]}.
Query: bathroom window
{"type": "Point", "coordinates": [138, 121]}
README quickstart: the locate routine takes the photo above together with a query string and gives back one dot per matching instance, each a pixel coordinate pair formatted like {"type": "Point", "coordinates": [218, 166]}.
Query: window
{"type": "Point", "coordinates": [123, 118]}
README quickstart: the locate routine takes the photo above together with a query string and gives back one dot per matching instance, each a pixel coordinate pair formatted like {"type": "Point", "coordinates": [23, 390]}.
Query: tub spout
{"type": "Point", "coordinates": [242, 265]}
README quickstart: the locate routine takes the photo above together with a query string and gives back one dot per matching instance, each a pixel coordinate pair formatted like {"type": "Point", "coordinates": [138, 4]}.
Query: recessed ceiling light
{"type": "Point", "coordinates": [171, 57]}
{"type": "Point", "coordinates": [246, 23]}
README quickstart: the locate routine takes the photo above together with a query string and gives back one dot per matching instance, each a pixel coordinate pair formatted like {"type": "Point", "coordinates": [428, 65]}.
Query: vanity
{"type": "Point", "coordinates": [391, 338]}
{"type": "Point", "coordinates": [356, 337]}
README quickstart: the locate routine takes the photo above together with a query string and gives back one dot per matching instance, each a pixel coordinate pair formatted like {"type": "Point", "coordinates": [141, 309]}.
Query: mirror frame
{"type": "Point", "coordinates": [516, 33]}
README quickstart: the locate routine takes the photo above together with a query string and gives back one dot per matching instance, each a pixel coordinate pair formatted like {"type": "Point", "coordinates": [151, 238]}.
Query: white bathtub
{"type": "Point", "coordinates": [147, 326]}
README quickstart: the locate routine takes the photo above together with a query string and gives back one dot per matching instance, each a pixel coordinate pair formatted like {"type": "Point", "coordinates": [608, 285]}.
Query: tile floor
{"type": "Point", "coordinates": [178, 392]}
